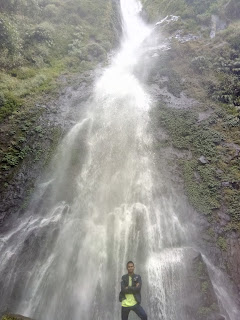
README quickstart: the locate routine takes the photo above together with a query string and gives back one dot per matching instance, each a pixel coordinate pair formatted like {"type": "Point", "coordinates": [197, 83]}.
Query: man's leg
{"type": "Point", "coordinates": [125, 313]}
{"type": "Point", "coordinates": [140, 312]}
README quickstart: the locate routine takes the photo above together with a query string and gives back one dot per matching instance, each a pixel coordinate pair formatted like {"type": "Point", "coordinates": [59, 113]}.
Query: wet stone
{"type": "Point", "coordinates": [226, 184]}
{"type": "Point", "coordinates": [224, 216]}
{"type": "Point", "coordinates": [203, 160]}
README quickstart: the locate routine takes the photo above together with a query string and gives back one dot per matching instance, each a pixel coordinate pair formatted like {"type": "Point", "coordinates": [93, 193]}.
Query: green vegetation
{"type": "Point", "coordinates": [27, 141]}
{"type": "Point", "coordinates": [6, 317]}
{"type": "Point", "coordinates": [211, 72]}
{"type": "Point", "coordinates": [198, 10]}
{"type": "Point", "coordinates": [211, 233]}
{"type": "Point", "coordinates": [205, 286]}
{"type": "Point", "coordinates": [8, 104]}
{"type": "Point", "coordinates": [14, 317]}
{"type": "Point", "coordinates": [41, 39]}
{"type": "Point", "coordinates": [201, 180]}
{"type": "Point", "coordinates": [200, 269]}
{"type": "Point", "coordinates": [207, 300]}
{"type": "Point", "coordinates": [222, 243]}
{"type": "Point", "coordinates": [202, 194]}
{"type": "Point", "coordinates": [206, 311]}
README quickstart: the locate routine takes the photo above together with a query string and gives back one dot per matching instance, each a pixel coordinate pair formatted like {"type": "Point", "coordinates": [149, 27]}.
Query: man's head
{"type": "Point", "coordinates": [130, 267]}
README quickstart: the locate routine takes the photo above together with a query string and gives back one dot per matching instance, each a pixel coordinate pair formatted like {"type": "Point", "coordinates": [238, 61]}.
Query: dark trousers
{"type": "Point", "coordinates": [137, 309]}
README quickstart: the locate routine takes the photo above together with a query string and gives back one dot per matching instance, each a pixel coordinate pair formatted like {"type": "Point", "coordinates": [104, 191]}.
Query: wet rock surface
{"type": "Point", "coordinates": [160, 91]}
{"type": "Point", "coordinates": [233, 258]}
{"type": "Point", "coordinates": [55, 117]}
{"type": "Point", "coordinates": [221, 246]}
{"type": "Point", "coordinates": [198, 296]}
{"type": "Point", "coordinates": [203, 160]}
{"type": "Point", "coordinates": [218, 240]}
{"type": "Point", "coordinates": [208, 307]}
{"type": "Point", "coordinates": [218, 24]}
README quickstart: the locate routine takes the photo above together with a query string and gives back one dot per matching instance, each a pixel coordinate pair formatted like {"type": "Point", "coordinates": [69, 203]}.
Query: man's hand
{"type": "Point", "coordinates": [137, 284]}
{"type": "Point", "coordinates": [126, 288]}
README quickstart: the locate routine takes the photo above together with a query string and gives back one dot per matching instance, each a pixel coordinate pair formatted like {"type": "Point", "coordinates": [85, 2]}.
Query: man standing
{"type": "Point", "coordinates": [130, 295]}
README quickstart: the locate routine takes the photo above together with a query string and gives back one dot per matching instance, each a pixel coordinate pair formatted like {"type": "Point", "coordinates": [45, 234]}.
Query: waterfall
{"type": "Point", "coordinates": [108, 200]}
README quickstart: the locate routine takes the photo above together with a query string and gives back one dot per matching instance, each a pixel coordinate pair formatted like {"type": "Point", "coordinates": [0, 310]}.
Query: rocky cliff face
{"type": "Point", "coordinates": [39, 75]}
{"type": "Point", "coordinates": [196, 84]}
{"type": "Point", "coordinates": [44, 124]}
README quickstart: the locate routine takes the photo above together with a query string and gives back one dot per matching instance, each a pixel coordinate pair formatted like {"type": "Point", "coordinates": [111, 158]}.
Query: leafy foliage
{"type": "Point", "coordinates": [213, 78]}
{"type": "Point", "coordinates": [186, 133]}
{"type": "Point", "coordinates": [8, 104]}
{"type": "Point", "coordinates": [222, 243]}
{"type": "Point", "coordinates": [39, 39]}
{"type": "Point", "coordinates": [188, 9]}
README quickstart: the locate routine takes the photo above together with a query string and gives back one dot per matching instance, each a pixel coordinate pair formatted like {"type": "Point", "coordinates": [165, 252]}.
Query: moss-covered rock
{"type": "Point", "coordinates": [41, 42]}
{"type": "Point", "coordinates": [211, 76]}
{"type": "Point", "coordinates": [14, 317]}
{"type": "Point", "coordinates": [209, 69]}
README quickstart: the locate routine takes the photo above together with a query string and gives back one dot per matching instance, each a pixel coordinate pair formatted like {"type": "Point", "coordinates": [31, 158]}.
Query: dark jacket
{"type": "Point", "coordinates": [135, 290]}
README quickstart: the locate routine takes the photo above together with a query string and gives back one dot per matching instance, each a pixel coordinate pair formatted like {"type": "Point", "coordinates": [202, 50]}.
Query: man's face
{"type": "Point", "coordinates": [130, 268]}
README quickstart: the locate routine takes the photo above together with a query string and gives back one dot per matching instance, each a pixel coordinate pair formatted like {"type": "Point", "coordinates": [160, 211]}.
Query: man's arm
{"type": "Point", "coordinates": [137, 288]}
{"type": "Point", "coordinates": [124, 288]}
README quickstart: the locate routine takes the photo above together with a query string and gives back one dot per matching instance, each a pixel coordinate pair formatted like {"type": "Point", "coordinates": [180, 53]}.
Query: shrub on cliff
{"type": "Point", "coordinates": [41, 33]}
{"type": "Point", "coordinates": [9, 35]}
{"type": "Point", "coordinates": [198, 10]}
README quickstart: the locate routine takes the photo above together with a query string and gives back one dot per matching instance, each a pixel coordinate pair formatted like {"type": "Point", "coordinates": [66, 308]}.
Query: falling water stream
{"type": "Point", "coordinates": [106, 202]}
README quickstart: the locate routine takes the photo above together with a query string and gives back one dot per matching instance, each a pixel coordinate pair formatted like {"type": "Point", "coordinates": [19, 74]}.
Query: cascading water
{"type": "Point", "coordinates": [106, 203]}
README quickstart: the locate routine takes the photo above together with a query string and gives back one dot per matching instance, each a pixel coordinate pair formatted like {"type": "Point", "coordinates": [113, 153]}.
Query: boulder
{"type": "Point", "coordinates": [203, 160]}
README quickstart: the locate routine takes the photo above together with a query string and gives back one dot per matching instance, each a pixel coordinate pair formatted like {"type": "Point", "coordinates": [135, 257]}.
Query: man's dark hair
{"type": "Point", "coordinates": [129, 263]}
